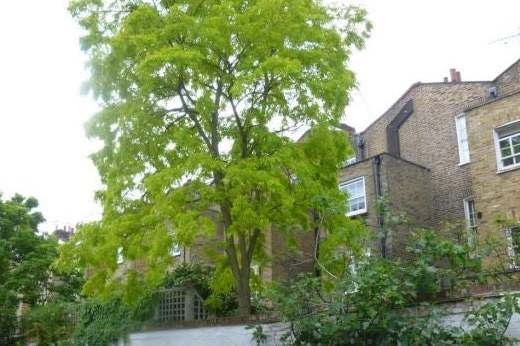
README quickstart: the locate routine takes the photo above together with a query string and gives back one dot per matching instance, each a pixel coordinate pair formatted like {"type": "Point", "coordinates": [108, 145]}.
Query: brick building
{"type": "Point", "coordinates": [446, 152]}
{"type": "Point", "coordinates": [434, 156]}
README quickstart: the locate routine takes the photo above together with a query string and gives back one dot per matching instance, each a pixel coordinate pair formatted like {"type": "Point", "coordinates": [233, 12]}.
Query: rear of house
{"type": "Point", "coordinates": [444, 153]}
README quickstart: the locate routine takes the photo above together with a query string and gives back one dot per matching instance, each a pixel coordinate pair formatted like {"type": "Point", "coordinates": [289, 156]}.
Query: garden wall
{"type": "Point", "coordinates": [238, 335]}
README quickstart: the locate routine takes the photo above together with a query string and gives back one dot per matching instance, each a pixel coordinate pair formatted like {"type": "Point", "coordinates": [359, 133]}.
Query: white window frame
{"type": "Point", "coordinates": [472, 228]}
{"type": "Point", "coordinates": [513, 131]}
{"type": "Point", "coordinates": [120, 258]}
{"type": "Point", "coordinates": [462, 138]}
{"type": "Point", "coordinates": [467, 213]}
{"type": "Point", "coordinates": [510, 248]}
{"type": "Point", "coordinates": [343, 186]}
{"type": "Point", "coordinates": [175, 250]}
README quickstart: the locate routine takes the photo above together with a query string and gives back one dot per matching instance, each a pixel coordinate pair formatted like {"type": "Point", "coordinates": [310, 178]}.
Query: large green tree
{"type": "Point", "coordinates": [198, 100]}
{"type": "Point", "coordinates": [26, 257]}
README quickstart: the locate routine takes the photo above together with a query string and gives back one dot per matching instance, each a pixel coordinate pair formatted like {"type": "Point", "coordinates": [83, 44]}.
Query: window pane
{"type": "Point", "coordinates": [515, 140]}
{"type": "Point", "coordinates": [504, 143]}
{"type": "Point", "coordinates": [356, 195]}
{"type": "Point", "coordinates": [516, 145]}
{"type": "Point", "coordinates": [357, 203]}
{"type": "Point", "coordinates": [505, 152]}
{"type": "Point", "coordinates": [355, 189]}
{"type": "Point", "coordinates": [462, 139]}
{"type": "Point", "coordinates": [508, 162]}
{"type": "Point", "coordinates": [517, 159]}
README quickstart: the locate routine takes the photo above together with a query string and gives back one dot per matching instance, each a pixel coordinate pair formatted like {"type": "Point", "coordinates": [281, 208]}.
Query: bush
{"type": "Point", "coordinates": [385, 301]}
{"type": "Point", "coordinates": [49, 324]}
{"type": "Point", "coordinates": [102, 323]}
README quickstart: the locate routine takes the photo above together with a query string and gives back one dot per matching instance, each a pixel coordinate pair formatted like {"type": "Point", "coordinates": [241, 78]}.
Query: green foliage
{"type": "Point", "coordinates": [102, 323]}
{"type": "Point", "coordinates": [49, 324]}
{"type": "Point", "coordinates": [8, 322]}
{"type": "Point", "coordinates": [393, 302]}
{"type": "Point", "coordinates": [207, 92]}
{"type": "Point", "coordinates": [259, 337]}
{"type": "Point", "coordinates": [205, 280]}
{"type": "Point", "coordinates": [26, 271]}
{"type": "Point", "coordinates": [191, 275]}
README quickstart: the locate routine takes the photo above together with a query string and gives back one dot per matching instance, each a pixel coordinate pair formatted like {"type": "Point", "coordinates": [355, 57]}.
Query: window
{"type": "Point", "coordinates": [471, 221]}
{"type": "Point", "coordinates": [513, 245]}
{"type": "Point", "coordinates": [462, 138]}
{"type": "Point", "coordinates": [176, 250]}
{"type": "Point", "coordinates": [119, 257]}
{"type": "Point", "coordinates": [355, 189]}
{"type": "Point", "coordinates": [507, 138]}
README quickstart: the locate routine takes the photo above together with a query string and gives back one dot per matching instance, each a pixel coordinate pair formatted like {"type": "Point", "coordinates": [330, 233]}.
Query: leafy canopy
{"type": "Point", "coordinates": [26, 271]}
{"type": "Point", "coordinates": [198, 102]}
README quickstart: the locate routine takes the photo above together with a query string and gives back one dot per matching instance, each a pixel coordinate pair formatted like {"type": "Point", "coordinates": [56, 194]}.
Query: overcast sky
{"type": "Point", "coordinates": [43, 148]}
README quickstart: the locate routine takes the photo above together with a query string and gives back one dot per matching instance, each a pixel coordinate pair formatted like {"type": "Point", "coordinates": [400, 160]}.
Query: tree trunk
{"type": "Point", "coordinates": [240, 262]}
{"type": "Point", "coordinates": [244, 293]}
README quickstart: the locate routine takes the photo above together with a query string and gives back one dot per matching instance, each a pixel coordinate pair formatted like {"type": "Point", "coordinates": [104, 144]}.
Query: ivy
{"type": "Point", "coordinates": [102, 323]}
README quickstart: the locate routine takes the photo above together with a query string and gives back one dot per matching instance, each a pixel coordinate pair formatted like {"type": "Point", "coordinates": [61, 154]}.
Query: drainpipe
{"type": "Point", "coordinates": [376, 170]}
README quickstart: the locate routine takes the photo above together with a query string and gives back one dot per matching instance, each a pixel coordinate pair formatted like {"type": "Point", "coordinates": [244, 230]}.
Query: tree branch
{"type": "Point", "coordinates": [252, 244]}
{"type": "Point", "coordinates": [241, 131]}
{"type": "Point", "coordinates": [193, 117]}
{"type": "Point", "coordinates": [215, 137]}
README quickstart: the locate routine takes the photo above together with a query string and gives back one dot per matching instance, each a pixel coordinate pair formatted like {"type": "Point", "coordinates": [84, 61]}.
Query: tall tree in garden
{"type": "Point", "coordinates": [26, 274]}
{"type": "Point", "coordinates": [198, 98]}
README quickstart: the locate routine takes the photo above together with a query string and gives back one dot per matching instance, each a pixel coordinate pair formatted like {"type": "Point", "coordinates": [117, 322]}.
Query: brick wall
{"type": "Point", "coordinates": [288, 257]}
{"type": "Point", "coordinates": [497, 195]}
{"type": "Point", "coordinates": [408, 189]}
{"type": "Point", "coordinates": [509, 80]}
{"type": "Point", "coordinates": [428, 137]}
{"type": "Point", "coordinates": [375, 135]}
{"type": "Point", "coordinates": [406, 186]}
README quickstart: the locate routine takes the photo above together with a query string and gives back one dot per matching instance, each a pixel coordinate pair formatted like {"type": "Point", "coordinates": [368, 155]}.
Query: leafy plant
{"type": "Point", "coordinates": [387, 301]}
{"type": "Point", "coordinates": [198, 100]}
{"type": "Point", "coordinates": [26, 271]}
{"type": "Point", "coordinates": [205, 280]}
{"type": "Point", "coordinates": [102, 323]}
{"type": "Point", "coordinates": [258, 336]}
{"type": "Point", "coordinates": [49, 324]}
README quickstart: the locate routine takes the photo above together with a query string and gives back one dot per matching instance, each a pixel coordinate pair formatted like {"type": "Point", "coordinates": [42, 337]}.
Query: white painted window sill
{"type": "Point", "coordinates": [357, 212]}
{"type": "Point", "coordinates": [508, 169]}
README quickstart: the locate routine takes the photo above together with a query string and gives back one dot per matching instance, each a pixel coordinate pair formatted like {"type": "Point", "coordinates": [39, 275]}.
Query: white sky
{"type": "Point", "coordinates": [43, 148]}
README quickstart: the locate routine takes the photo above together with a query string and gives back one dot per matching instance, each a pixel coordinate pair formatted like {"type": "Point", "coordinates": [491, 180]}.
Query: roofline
{"type": "Point", "coordinates": [393, 104]}
{"type": "Point", "coordinates": [415, 85]}
{"type": "Point", "coordinates": [507, 69]}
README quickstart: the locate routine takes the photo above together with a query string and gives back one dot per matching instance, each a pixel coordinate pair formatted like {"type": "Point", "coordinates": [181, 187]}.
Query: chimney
{"type": "Point", "coordinates": [455, 75]}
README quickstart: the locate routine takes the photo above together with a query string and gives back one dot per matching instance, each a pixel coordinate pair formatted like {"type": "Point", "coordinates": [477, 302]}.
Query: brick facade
{"type": "Point", "coordinates": [405, 185]}
{"type": "Point", "coordinates": [421, 176]}
{"type": "Point", "coordinates": [496, 194]}
{"type": "Point", "coordinates": [427, 137]}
